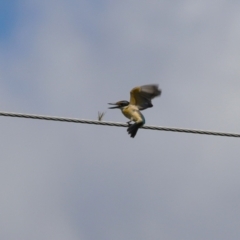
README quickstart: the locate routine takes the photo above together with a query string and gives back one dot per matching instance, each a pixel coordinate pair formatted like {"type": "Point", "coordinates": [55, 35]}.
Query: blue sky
{"type": "Point", "coordinates": [8, 13]}
{"type": "Point", "coordinates": [75, 181]}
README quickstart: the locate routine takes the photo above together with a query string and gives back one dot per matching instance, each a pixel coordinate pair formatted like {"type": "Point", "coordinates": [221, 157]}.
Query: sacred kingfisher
{"type": "Point", "coordinates": [140, 99]}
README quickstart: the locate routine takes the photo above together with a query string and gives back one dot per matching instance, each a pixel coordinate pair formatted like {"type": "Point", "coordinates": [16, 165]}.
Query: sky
{"type": "Point", "coordinates": [70, 58]}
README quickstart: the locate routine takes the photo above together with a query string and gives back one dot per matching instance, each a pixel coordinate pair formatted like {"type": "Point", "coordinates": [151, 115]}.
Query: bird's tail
{"type": "Point", "coordinates": [132, 130]}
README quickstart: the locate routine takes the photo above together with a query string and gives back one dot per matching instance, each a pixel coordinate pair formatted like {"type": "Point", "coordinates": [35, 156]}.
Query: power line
{"type": "Point", "coordinates": [116, 124]}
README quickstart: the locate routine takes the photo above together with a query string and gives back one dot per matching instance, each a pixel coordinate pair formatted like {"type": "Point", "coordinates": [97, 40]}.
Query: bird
{"type": "Point", "coordinates": [140, 99]}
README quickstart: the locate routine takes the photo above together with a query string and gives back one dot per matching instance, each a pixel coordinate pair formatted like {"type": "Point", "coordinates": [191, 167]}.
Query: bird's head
{"type": "Point", "coordinates": [119, 104]}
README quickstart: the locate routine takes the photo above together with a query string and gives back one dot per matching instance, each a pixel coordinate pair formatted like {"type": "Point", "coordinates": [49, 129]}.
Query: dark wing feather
{"type": "Point", "coordinates": [142, 96]}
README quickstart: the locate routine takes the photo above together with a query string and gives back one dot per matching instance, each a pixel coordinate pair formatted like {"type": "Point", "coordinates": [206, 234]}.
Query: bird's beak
{"type": "Point", "coordinates": [116, 105]}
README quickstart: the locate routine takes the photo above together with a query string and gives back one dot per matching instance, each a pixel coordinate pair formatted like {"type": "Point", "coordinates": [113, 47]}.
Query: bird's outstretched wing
{"type": "Point", "coordinates": [142, 96]}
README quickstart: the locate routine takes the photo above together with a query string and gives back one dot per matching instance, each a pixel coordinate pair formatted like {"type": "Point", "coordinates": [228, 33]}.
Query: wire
{"type": "Point", "coordinates": [116, 124]}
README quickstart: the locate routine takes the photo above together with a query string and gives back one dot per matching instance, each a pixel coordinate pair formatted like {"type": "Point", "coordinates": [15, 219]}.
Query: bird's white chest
{"type": "Point", "coordinates": [132, 112]}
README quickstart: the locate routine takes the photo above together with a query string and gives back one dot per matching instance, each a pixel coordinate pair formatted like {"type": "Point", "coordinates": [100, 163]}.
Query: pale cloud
{"type": "Point", "coordinates": [75, 181]}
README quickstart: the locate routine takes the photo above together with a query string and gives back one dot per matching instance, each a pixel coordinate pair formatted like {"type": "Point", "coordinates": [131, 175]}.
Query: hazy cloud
{"type": "Point", "coordinates": [75, 181]}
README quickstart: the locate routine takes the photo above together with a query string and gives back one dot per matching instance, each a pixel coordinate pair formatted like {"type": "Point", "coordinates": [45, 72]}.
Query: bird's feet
{"type": "Point", "coordinates": [129, 123]}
